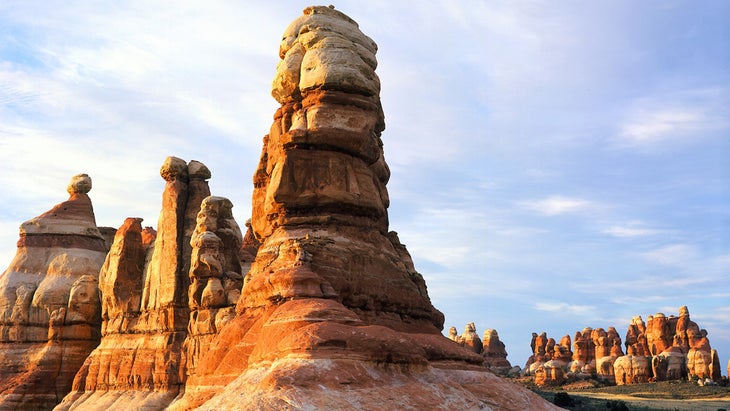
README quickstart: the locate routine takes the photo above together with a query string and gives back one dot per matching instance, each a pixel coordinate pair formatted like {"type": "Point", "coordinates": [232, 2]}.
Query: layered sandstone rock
{"type": "Point", "coordinates": [145, 309]}
{"type": "Point", "coordinates": [685, 352]}
{"type": "Point", "coordinates": [495, 353]}
{"type": "Point", "coordinates": [491, 348]}
{"type": "Point", "coordinates": [215, 276]}
{"type": "Point", "coordinates": [49, 302]}
{"type": "Point", "coordinates": [470, 339]}
{"type": "Point", "coordinates": [538, 344]}
{"type": "Point", "coordinates": [669, 365]}
{"type": "Point", "coordinates": [607, 349]}
{"type": "Point", "coordinates": [632, 369]}
{"type": "Point", "coordinates": [332, 312]}
{"type": "Point", "coordinates": [636, 336]}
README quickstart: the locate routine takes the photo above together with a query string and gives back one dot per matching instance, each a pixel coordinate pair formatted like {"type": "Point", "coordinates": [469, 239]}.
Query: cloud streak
{"type": "Point", "coordinates": [557, 205]}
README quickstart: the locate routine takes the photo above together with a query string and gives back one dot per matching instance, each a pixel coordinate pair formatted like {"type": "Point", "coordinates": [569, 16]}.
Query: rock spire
{"type": "Point", "coordinates": [49, 302]}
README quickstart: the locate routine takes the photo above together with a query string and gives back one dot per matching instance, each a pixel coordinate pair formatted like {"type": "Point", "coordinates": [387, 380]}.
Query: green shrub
{"type": "Point", "coordinates": [562, 399]}
{"type": "Point", "coordinates": [616, 405]}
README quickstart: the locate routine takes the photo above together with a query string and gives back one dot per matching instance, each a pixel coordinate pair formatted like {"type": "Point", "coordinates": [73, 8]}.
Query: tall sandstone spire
{"type": "Point", "coordinates": [317, 305]}
{"type": "Point", "coordinates": [144, 283]}
{"type": "Point", "coordinates": [333, 314]}
{"type": "Point", "coordinates": [49, 302]}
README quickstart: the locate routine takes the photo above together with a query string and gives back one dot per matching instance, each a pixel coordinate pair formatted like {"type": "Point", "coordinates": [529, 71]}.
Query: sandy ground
{"type": "Point", "coordinates": [704, 404]}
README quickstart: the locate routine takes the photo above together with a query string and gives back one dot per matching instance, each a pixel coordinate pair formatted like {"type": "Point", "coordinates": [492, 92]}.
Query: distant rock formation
{"type": "Point", "coordinates": [49, 302]}
{"type": "Point", "coordinates": [666, 348]}
{"type": "Point", "coordinates": [491, 348]}
{"type": "Point", "coordinates": [470, 339]}
{"type": "Point", "coordinates": [495, 353]}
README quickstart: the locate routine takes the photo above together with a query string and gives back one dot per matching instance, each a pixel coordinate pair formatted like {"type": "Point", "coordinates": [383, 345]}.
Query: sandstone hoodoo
{"type": "Point", "coordinates": [316, 306]}
{"type": "Point", "coordinates": [663, 349]}
{"type": "Point", "coordinates": [332, 313]}
{"type": "Point", "coordinates": [145, 285]}
{"type": "Point", "coordinates": [490, 347]}
{"type": "Point", "coordinates": [49, 302]}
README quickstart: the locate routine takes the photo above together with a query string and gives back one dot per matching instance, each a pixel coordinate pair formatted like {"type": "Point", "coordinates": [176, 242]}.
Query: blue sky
{"type": "Point", "coordinates": [555, 165]}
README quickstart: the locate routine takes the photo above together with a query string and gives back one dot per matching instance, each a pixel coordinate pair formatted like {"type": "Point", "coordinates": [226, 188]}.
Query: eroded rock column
{"type": "Point", "coordinates": [49, 302]}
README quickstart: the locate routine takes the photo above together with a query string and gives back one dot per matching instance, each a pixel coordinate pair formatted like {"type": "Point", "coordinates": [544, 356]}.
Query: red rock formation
{"type": "Point", "coordinates": [632, 369]}
{"type": "Point", "coordinates": [550, 373]}
{"type": "Point", "coordinates": [584, 352]}
{"type": "Point", "coordinates": [565, 353]}
{"type": "Point", "coordinates": [636, 336]}
{"type": "Point", "coordinates": [146, 309]}
{"type": "Point", "coordinates": [332, 297]}
{"type": "Point", "coordinates": [470, 339]}
{"type": "Point", "coordinates": [215, 276]}
{"type": "Point", "coordinates": [658, 333]}
{"type": "Point", "coordinates": [49, 303]}
{"type": "Point", "coordinates": [670, 364]}
{"type": "Point", "coordinates": [331, 309]}
{"type": "Point", "coordinates": [453, 334]}
{"type": "Point", "coordinates": [494, 353]}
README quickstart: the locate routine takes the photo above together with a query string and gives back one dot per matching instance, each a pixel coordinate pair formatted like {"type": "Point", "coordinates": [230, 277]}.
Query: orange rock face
{"type": "Point", "coordinates": [49, 302]}
{"type": "Point", "coordinates": [686, 352]}
{"type": "Point", "coordinates": [317, 306]}
{"type": "Point", "coordinates": [332, 297]}
{"type": "Point", "coordinates": [145, 302]}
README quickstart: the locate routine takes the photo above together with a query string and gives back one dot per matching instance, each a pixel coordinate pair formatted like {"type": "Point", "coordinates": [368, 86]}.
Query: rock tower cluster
{"type": "Point", "coordinates": [316, 306]}
{"type": "Point", "coordinates": [491, 348]}
{"type": "Point", "coordinates": [664, 348]}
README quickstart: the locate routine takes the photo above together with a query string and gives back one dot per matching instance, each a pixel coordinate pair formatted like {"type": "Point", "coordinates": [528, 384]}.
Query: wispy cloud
{"type": "Point", "coordinates": [561, 307]}
{"type": "Point", "coordinates": [556, 205]}
{"type": "Point", "coordinates": [635, 300]}
{"type": "Point", "coordinates": [684, 116]}
{"type": "Point", "coordinates": [632, 229]}
{"type": "Point", "coordinates": [663, 123]}
{"type": "Point", "coordinates": [673, 255]}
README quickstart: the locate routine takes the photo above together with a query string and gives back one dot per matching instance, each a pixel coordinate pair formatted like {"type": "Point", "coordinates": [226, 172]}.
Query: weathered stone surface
{"type": "Point", "coordinates": [453, 334]}
{"type": "Point", "coordinates": [215, 276]}
{"type": "Point", "coordinates": [145, 303]}
{"type": "Point", "coordinates": [550, 373]}
{"type": "Point", "coordinates": [539, 356]}
{"type": "Point", "coordinates": [636, 336]}
{"type": "Point", "coordinates": [584, 352]}
{"type": "Point", "coordinates": [49, 302]}
{"type": "Point", "coordinates": [669, 365]}
{"type": "Point", "coordinates": [332, 297]}
{"type": "Point", "coordinates": [597, 352]}
{"type": "Point", "coordinates": [470, 339]}
{"type": "Point", "coordinates": [658, 333]}
{"type": "Point", "coordinates": [121, 276]}
{"type": "Point", "coordinates": [632, 369]}
{"type": "Point", "coordinates": [495, 353]}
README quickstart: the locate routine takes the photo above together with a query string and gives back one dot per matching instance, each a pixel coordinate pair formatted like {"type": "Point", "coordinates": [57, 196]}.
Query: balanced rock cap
{"type": "Point", "coordinates": [173, 168]}
{"type": "Point", "coordinates": [80, 184]}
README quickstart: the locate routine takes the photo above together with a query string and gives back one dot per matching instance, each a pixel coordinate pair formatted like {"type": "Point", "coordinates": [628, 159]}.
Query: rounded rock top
{"type": "Point", "coordinates": [173, 168]}
{"type": "Point", "coordinates": [80, 184]}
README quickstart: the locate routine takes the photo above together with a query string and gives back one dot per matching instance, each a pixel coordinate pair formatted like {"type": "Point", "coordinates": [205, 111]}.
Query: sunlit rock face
{"type": "Point", "coordinates": [145, 309]}
{"type": "Point", "coordinates": [49, 302]}
{"type": "Point", "coordinates": [215, 276]}
{"type": "Point", "coordinates": [685, 352]}
{"type": "Point", "coordinates": [332, 296]}
{"type": "Point", "coordinates": [495, 353]}
{"type": "Point", "coordinates": [632, 369]}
